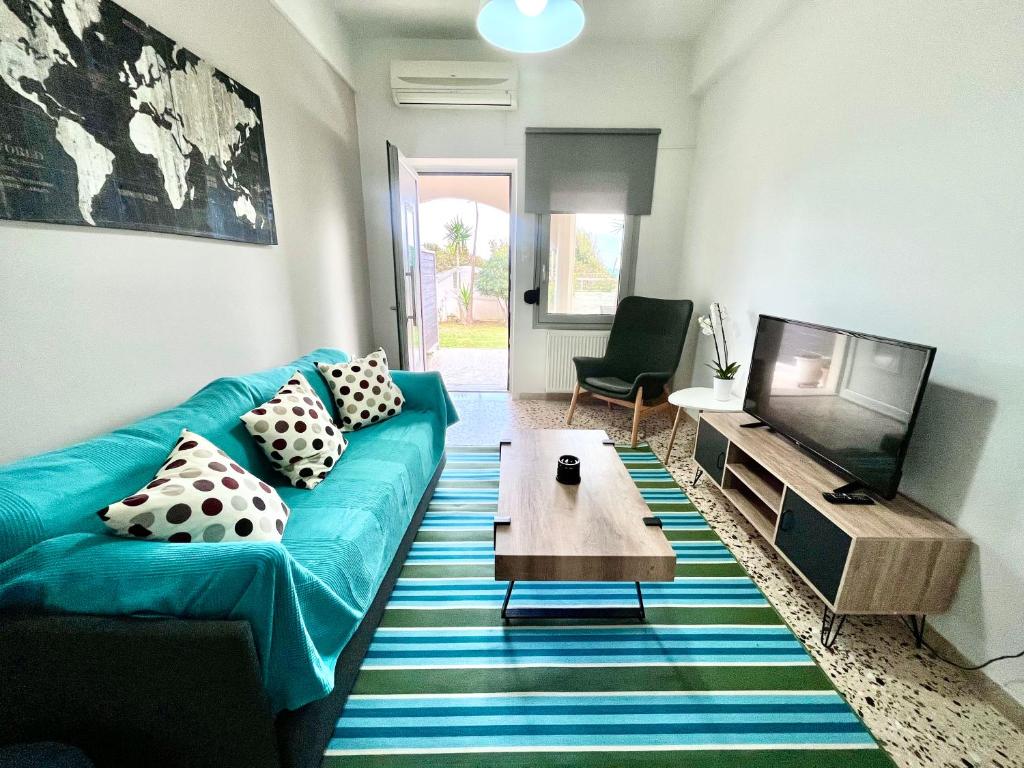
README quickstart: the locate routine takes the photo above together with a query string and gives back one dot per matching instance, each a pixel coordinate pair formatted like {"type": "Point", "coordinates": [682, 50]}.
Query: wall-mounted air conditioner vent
{"type": "Point", "coordinates": [454, 84]}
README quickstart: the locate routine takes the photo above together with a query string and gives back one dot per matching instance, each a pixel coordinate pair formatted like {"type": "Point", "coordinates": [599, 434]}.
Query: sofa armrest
{"type": "Point", "coordinates": [134, 691]}
{"type": "Point", "coordinates": [426, 392]}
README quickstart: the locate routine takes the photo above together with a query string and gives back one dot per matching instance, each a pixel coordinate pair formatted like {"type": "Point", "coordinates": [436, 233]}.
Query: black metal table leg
{"type": "Point", "coordinates": [504, 604]}
{"type": "Point", "coordinates": [596, 612]}
{"type": "Point", "coordinates": [640, 600]}
{"type": "Point", "coordinates": [697, 476]}
{"type": "Point", "coordinates": [917, 627]}
{"type": "Point", "coordinates": [831, 625]}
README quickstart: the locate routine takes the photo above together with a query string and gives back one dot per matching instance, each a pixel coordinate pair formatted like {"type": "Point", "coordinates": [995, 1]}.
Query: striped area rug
{"type": "Point", "coordinates": [713, 678]}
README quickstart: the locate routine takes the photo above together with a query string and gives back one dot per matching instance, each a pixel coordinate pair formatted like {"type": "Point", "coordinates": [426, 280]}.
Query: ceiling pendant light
{"type": "Point", "coordinates": [530, 26]}
{"type": "Point", "coordinates": [531, 7]}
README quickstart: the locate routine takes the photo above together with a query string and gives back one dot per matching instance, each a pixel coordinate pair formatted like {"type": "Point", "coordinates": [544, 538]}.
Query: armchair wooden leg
{"type": "Point", "coordinates": [637, 406]}
{"type": "Point", "coordinates": [572, 405]}
{"type": "Point", "coordinates": [672, 440]}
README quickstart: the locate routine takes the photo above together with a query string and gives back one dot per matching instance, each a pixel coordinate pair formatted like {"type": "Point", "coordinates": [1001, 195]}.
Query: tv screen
{"type": "Point", "coordinates": [849, 398]}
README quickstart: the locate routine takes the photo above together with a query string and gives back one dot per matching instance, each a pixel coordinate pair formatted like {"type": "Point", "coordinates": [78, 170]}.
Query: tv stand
{"type": "Point", "coordinates": [892, 558]}
{"type": "Point", "coordinates": [756, 425]}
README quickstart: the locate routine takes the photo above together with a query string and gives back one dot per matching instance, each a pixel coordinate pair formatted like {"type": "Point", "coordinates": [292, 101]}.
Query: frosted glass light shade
{"type": "Point", "coordinates": [503, 24]}
{"type": "Point", "coordinates": [531, 7]}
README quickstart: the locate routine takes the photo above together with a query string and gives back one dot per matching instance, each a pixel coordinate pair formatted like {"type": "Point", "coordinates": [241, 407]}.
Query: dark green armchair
{"type": "Point", "coordinates": [643, 353]}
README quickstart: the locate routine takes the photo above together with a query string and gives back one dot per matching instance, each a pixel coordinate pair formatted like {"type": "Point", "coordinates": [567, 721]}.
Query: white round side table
{"type": "Point", "coordinates": [698, 399]}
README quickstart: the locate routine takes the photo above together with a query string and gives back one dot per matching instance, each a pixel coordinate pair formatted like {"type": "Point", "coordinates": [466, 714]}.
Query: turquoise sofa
{"type": "Point", "coordinates": [302, 600]}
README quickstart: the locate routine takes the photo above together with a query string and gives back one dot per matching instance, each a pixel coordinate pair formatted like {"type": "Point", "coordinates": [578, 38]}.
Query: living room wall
{"type": "Point", "coordinates": [861, 166]}
{"type": "Point", "coordinates": [99, 326]}
{"type": "Point", "coordinates": [591, 84]}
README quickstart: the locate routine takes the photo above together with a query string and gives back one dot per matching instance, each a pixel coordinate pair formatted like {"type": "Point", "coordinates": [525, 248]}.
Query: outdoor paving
{"type": "Point", "coordinates": [471, 370]}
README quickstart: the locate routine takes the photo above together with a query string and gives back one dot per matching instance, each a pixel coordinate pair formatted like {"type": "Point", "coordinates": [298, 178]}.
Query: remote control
{"type": "Point", "coordinates": [848, 498]}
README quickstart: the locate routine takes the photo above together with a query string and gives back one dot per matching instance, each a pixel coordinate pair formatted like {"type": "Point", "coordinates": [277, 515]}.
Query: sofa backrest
{"type": "Point", "coordinates": [59, 492]}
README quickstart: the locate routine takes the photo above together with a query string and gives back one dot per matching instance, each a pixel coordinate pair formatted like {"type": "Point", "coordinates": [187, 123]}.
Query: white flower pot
{"type": "Point", "coordinates": [808, 370]}
{"type": "Point", "coordinates": [723, 389]}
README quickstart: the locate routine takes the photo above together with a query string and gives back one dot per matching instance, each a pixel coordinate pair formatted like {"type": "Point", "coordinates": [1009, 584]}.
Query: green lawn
{"type": "Point", "coordinates": [475, 336]}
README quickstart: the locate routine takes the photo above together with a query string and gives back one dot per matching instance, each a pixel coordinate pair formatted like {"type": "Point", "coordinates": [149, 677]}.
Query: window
{"type": "Point", "coordinates": [585, 267]}
{"type": "Point", "coordinates": [589, 187]}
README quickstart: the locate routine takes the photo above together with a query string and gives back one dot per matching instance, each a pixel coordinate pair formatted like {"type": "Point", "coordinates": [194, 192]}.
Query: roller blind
{"type": "Point", "coordinates": [583, 170]}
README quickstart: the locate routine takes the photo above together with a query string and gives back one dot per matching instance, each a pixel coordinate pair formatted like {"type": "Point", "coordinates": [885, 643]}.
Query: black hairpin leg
{"type": "Point", "coordinates": [831, 625]}
{"type": "Point", "coordinates": [640, 599]}
{"type": "Point", "coordinates": [504, 604]}
{"type": "Point", "coordinates": [917, 627]}
{"type": "Point", "coordinates": [697, 476]}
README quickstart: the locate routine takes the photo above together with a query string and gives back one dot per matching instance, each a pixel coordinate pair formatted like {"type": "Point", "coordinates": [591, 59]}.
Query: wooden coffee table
{"type": "Point", "coordinates": [599, 530]}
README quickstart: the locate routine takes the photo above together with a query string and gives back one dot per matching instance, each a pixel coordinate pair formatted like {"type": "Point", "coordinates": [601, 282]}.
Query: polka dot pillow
{"type": "Point", "coordinates": [295, 431]}
{"type": "Point", "coordinates": [199, 495]}
{"type": "Point", "coordinates": [363, 391]}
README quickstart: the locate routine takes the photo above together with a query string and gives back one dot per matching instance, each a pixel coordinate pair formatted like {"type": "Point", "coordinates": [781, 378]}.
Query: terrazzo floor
{"type": "Point", "coordinates": [924, 712]}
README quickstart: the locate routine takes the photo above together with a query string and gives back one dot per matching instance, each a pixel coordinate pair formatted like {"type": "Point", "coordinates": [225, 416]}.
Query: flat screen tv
{"type": "Point", "coordinates": [848, 398]}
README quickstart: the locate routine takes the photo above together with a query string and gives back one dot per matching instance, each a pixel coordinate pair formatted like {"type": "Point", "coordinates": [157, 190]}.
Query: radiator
{"type": "Point", "coordinates": [562, 347]}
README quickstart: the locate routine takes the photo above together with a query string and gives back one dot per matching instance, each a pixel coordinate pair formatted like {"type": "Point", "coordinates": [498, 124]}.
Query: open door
{"type": "Point", "coordinates": [405, 234]}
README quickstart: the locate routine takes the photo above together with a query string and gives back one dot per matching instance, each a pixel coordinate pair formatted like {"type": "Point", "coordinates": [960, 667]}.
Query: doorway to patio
{"type": "Point", "coordinates": [465, 232]}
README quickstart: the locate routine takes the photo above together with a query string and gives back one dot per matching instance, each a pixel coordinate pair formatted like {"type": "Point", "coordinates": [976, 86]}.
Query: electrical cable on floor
{"type": "Point", "coordinates": [967, 668]}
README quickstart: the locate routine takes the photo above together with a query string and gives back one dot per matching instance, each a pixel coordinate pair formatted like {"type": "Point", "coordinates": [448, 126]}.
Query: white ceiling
{"type": "Point", "coordinates": [606, 19]}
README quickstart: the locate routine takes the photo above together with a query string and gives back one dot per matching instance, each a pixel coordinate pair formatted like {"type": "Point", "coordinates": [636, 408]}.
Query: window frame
{"type": "Point", "coordinates": [542, 317]}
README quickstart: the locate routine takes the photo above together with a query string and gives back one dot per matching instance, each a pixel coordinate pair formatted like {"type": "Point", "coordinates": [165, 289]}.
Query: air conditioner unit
{"type": "Point", "coordinates": [454, 84]}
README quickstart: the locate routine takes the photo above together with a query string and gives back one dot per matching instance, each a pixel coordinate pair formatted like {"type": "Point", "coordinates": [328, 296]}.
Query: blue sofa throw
{"type": "Point", "coordinates": [303, 597]}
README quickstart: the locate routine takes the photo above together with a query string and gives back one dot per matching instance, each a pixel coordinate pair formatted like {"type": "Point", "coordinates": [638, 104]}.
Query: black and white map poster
{"type": "Point", "coordinates": [106, 122]}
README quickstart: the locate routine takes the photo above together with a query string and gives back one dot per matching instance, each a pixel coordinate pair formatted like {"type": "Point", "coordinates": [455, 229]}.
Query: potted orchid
{"type": "Point", "coordinates": [713, 325]}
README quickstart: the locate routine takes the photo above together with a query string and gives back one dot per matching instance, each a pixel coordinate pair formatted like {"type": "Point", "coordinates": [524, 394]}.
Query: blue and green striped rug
{"type": "Point", "coordinates": [714, 678]}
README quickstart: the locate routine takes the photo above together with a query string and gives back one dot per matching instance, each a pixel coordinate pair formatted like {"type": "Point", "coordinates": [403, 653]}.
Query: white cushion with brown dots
{"type": "Point", "coordinates": [363, 391]}
{"type": "Point", "coordinates": [199, 495]}
{"type": "Point", "coordinates": [297, 434]}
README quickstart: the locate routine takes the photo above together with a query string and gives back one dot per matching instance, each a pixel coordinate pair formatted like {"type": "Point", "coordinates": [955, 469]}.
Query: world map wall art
{"type": "Point", "coordinates": [106, 122]}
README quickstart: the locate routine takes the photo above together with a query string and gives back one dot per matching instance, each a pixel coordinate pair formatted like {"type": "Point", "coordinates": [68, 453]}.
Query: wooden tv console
{"type": "Point", "coordinates": [893, 557]}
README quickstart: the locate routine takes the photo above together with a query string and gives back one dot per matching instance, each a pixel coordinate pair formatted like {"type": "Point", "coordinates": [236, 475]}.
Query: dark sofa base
{"type": "Point", "coordinates": [168, 692]}
{"type": "Point", "coordinates": [303, 733]}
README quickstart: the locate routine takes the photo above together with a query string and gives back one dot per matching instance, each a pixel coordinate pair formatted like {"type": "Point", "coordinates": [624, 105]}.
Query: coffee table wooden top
{"type": "Point", "coordinates": [593, 531]}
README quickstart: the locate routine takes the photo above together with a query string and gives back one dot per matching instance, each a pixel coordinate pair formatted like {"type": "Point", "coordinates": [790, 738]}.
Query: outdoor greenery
{"type": "Point", "coordinates": [476, 336]}
{"type": "Point", "coordinates": [493, 278]}
{"type": "Point", "coordinates": [457, 252]}
{"type": "Point", "coordinates": [446, 258]}
{"type": "Point", "coordinates": [466, 303]}
{"type": "Point", "coordinates": [490, 277]}
{"type": "Point", "coordinates": [453, 252]}
{"type": "Point", "coordinates": [588, 268]}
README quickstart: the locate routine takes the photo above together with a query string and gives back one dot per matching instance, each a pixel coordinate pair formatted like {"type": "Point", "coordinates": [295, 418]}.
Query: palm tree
{"type": "Point", "coordinates": [465, 298]}
{"type": "Point", "coordinates": [472, 259]}
{"type": "Point", "coordinates": [456, 235]}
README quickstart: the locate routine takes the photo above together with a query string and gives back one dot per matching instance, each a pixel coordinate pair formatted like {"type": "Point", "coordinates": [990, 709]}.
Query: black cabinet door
{"type": "Point", "coordinates": [813, 543]}
{"type": "Point", "coordinates": [709, 452]}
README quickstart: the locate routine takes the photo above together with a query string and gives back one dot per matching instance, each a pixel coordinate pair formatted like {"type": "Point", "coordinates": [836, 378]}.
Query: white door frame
{"type": "Point", "coordinates": [495, 165]}
{"type": "Point", "coordinates": [407, 306]}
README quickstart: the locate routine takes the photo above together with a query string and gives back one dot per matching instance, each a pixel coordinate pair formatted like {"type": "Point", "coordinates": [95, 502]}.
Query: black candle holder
{"type": "Point", "coordinates": [568, 470]}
